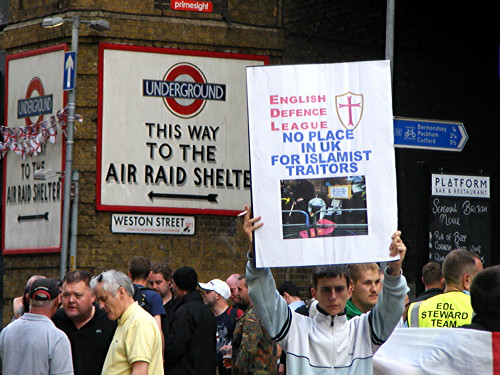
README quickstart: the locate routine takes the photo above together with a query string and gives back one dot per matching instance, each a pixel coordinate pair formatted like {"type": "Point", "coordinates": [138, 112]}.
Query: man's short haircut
{"type": "Point", "coordinates": [289, 288]}
{"type": "Point", "coordinates": [76, 276]}
{"type": "Point", "coordinates": [232, 277]}
{"type": "Point", "coordinates": [112, 281]}
{"type": "Point", "coordinates": [485, 291]}
{"type": "Point", "coordinates": [45, 304]}
{"type": "Point", "coordinates": [244, 278]}
{"type": "Point", "coordinates": [457, 263]}
{"type": "Point", "coordinates": [164, 269]}
{"type": "Point", "coordinates": [139, 267]}
{"type": "Point", "coordinates": [431, 273]}
{"type": "Point", "coordinates": [330, 272]}
{"type": "Point", "coordinates": [356, 269]}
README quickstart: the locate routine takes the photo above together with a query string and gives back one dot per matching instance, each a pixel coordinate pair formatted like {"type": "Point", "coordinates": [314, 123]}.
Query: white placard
{"type": "Point", "coordinates": [314, 128]}
{"type": "Point", "coordinates": [153, 224]}
{"type": "Point", "coordinates": [32, 215]}
{"type": "Point", "coordinates": [173, 131]}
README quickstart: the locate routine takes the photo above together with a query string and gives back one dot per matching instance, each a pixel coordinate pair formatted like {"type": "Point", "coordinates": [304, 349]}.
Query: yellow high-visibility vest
{"type": "Point", "coordinates": [451, 309]}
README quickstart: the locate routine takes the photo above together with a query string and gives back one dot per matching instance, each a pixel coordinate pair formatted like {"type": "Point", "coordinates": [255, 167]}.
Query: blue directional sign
{"type": "Point", "coordinates": [429, 134]}
{"type": "Point", "coordinates": [69, 71]}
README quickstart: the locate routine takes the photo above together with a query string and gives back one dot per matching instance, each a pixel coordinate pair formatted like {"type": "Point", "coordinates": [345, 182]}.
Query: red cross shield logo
{"type": "Point", "coordinates": [349, 108]}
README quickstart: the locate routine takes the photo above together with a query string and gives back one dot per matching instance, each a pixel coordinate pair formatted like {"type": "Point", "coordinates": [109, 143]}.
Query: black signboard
{"type": "Point", "coordinates": [460, 221]}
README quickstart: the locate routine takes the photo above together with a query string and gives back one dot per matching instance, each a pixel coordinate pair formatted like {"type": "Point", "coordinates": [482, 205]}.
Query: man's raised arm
{"type": "Point", "coordinates": [390, 306]}
{"type": "Point", "coordinates": [270, 307]}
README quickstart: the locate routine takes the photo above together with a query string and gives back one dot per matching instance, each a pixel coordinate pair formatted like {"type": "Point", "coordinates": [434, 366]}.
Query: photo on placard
{"type": "Point", "coordinates": [324, 207]}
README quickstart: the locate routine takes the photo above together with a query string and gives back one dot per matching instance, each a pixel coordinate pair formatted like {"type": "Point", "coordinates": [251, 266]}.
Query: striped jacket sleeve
{"type": "Point", "coordinates": [270, 307]}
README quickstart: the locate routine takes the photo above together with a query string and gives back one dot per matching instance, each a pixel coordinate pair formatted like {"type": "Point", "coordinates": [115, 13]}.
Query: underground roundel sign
{"type": "Point", "coordinates": [35, 104]}
{"type": "Point", "coordinates": [184, 90]}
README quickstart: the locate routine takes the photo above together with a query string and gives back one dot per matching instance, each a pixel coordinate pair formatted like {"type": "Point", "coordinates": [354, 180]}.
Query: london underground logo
{"type": "Point", "coordinates": [184, 90]}
{"type": "Point", "coordinates": [34, 105]}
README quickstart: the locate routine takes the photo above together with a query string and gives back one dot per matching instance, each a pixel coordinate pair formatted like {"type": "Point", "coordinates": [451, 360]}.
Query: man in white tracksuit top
{"type": "Point", "coordinates": [328, 343]}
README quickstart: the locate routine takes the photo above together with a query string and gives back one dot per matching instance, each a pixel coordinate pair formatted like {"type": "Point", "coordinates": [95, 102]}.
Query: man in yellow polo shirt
{"type": "Point", "coordinates": [453, 307]}
{"type": "Point", "coordinates": [136, 346]}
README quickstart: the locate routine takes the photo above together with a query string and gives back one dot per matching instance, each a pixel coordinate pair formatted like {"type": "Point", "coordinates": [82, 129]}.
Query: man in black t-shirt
{"type": "Point", "coordinates": [88, 328]}
{"type": "Point", "coordinates": [160, 280]}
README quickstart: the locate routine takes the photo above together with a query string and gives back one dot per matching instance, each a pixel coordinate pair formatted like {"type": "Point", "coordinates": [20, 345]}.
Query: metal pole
{"type": "Point", "coordinates": [389, 53]}
{"type": "Point", "coordinates": [389, 32]}
{"type": "Point", "coordinates": [74, 221]}
{"type": "Point", "coordinates": [69, 154]}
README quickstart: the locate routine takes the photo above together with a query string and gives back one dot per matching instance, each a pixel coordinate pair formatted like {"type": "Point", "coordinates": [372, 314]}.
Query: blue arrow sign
{"type": "Point", "coordinates": [69, 71]}
{"type": "Point", "coordinates": [429, 134]}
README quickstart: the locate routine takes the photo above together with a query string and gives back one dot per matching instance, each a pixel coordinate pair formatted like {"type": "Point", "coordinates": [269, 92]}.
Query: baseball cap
{"type": "Point", "coordinates": [44, 290]}
{"type": "Point", "coordinates": [217, 286]}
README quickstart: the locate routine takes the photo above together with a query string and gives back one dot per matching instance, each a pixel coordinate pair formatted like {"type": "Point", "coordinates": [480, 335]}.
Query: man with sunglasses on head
{"type": "Point", "coordinates": [136, 346]}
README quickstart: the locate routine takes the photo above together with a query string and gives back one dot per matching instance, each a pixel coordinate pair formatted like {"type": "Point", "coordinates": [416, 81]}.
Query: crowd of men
{"type": "Point", "coordinates": [155, 321]}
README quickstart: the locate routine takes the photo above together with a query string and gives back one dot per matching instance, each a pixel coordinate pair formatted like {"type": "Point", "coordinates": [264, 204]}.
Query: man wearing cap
{"type": "Point", "coordinates": [21, 304]}
{"type": "Point", "coordinates": [190, 346]}
{"type": "Point", "coordinates": [32, 344]}
{"type": "Point", "coordinates": [215, 295]}
{"type": "Point", "coordinates": [136, 345]}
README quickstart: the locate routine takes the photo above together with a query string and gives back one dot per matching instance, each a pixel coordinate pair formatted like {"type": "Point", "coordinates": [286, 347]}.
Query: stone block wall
{"type": "Point", "coordinates": [219, 247]}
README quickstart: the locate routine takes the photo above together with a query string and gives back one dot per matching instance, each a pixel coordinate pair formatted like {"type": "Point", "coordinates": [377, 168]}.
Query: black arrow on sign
{"type": "Point", "coordinates": [44, 216]}
{"type": "Point", "coordinates": [209, 197]}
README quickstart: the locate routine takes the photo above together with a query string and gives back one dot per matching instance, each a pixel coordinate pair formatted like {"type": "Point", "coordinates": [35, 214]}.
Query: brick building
{"type": "Point", "coordinates": [440, 67]}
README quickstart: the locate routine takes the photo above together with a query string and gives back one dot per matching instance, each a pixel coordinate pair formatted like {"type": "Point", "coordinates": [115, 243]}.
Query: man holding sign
{"type": "Point", "coordinates": [328, 342]}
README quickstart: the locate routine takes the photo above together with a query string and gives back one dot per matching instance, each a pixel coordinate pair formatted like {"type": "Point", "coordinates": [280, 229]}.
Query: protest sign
{"type": "Point", "coordinates": [322, 162]}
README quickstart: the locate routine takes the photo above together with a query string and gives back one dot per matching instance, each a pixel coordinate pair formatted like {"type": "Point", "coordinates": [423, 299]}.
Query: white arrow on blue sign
{"type": "Point", "coordinates": [69, 71]}
{"type": "Point", "coordinates": [429, 134]}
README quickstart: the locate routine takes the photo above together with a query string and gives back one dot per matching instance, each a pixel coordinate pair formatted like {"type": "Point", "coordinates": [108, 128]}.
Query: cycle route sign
{"type": "Point", "coordinates": [429, 134]}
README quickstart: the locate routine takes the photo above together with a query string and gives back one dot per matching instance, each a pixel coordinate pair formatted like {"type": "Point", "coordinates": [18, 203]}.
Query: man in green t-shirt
{"type": "Point", "coordinates": [366, 286]}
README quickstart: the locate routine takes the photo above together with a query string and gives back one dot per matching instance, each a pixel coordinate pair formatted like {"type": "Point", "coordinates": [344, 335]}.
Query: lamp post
{"type": "Point", "coordinates": [389, 33]}
{"type": "Point", "coordinates": [99, 25]}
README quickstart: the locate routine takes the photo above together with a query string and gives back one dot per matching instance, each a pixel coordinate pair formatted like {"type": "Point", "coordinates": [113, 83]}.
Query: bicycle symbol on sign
{"type": "Point", "coordinates": [410, 133]}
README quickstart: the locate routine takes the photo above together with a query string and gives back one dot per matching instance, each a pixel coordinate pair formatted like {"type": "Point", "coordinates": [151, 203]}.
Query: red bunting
{"type": "Point", "coordinates": [27, 141]}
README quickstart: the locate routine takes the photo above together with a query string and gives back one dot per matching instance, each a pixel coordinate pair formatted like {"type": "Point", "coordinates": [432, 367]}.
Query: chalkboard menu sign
{"type": "Point", "coordinates": [460, 216]}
